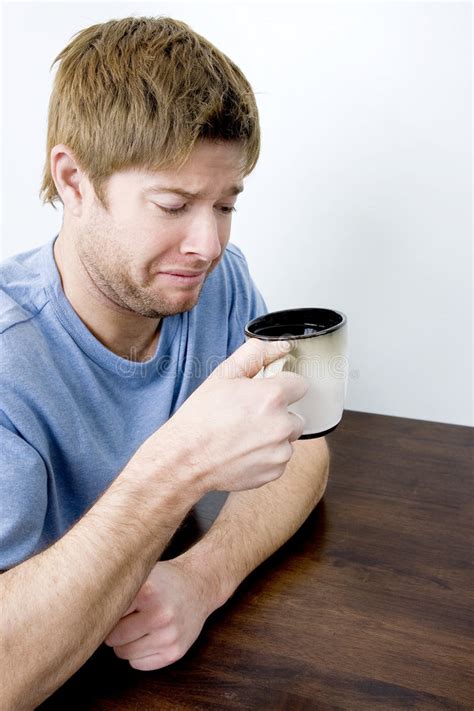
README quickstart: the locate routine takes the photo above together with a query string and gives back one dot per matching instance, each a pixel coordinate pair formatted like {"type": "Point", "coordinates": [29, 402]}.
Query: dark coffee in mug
{"type": "Point", "coordinates": [290, 330]}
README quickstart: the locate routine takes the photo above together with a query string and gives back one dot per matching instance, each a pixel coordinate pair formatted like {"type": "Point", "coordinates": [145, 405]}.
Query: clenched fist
{"type": "Point", "coordinates": [164, 619]}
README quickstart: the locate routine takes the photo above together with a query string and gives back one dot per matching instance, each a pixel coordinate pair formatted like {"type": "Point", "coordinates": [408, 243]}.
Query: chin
{"type": "Point", "coordinates": [181, 302]}
{"type": "Point", "coordinates": [168, 308]}
{"type": "Point", "coordinates": [157, 303]}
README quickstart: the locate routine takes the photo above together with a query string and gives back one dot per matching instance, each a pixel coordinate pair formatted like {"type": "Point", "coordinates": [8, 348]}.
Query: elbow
{"type": "Point", "coordinates": [314, 458]}
{"type": "Point", "coordinates": [323, 468]}
{"type": "Point", "coordinates": [327, 461]}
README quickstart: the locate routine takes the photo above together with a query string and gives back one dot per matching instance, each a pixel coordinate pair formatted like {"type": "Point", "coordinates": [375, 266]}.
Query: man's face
{"type": "Point", "coordinates": [159, 224]}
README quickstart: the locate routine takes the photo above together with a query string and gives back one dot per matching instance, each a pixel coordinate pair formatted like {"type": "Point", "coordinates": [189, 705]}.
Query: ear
{"type": "Point", "coordinates": [68, 178]}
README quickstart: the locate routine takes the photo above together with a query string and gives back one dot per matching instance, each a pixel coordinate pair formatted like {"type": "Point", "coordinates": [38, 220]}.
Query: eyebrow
{"type": "Point", "coordinates": [234, 190]}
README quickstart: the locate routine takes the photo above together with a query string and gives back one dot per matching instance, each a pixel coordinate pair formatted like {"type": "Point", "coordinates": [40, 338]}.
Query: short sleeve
{"type": "Point", "coordinates": [23, 496]}
{"type": "Point", "coordinates": [247, 303]}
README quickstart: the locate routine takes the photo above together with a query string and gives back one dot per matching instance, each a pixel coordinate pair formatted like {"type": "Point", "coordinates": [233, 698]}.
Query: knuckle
{"type": "Point", "coordinates": [289, 431]}
{"type": "Point", "coordinates": [115, 641]}
{"type": "Point", "coordinates": [275, 395]}
{"type": "Point", "coordinates": [284, 453]}
{"type": "Point", "coordinates": [287, 452]}
{"type": "Point", "coordinates": [146, 592]}
{"type": "Point", "coordinates": [163, 617]}
{"type": "Point", "coordinates": [298, 428]}
{"type": "Point", "coordinates": [175, 652]}
{"type": "Point", "coordinates": [172, 636]}
{"type": "Point", "coordinates": [274, 459]}
{"type": "Point", "coordinates": [276, 473]}
{"type": "Point", "coordinates": [139, 664]}
{"type": "Point", "coordinates": [119, 653]}
{"type": "Point", "coordinates": [283, 431]}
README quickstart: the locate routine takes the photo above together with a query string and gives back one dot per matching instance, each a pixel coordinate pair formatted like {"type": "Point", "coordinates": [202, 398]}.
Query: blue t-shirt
{"type": "Point", "coordinates": [72, 413]}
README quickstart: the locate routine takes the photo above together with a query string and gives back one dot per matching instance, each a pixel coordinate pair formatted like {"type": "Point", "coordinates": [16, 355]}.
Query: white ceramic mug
{"type": "Point", "coordinates": [319, 353]}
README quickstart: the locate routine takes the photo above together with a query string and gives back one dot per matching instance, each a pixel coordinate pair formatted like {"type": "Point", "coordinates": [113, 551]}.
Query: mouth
{"type": "Point", "coordinates": [184, 278]}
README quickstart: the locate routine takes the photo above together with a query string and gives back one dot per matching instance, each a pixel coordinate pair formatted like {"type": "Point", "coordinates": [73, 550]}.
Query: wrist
{"type": "Point", "coordinates": [168, 450]}
{"type": "Point", "coordinates": [214, 584]}
{"type": "Point", "coordinates": [162, 461]}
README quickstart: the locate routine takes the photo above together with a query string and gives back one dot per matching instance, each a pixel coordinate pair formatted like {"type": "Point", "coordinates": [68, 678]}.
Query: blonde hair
{"type": "Point", "coordinates": [138, 93]}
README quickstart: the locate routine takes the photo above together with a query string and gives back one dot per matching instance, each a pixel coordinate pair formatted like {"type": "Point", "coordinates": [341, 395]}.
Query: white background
{"type": "Point", "coordinates": [361, 200]}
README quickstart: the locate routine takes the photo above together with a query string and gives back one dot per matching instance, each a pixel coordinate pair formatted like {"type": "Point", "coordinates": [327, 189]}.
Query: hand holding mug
{"type": "Point", "coordinates": [235, 432]}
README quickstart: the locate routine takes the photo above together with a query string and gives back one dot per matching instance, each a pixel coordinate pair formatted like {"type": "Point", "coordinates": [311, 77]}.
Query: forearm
{"type": "Point", "coordinates": [58, 606]}
{"type": "Point", "coordinates": [253, 524]}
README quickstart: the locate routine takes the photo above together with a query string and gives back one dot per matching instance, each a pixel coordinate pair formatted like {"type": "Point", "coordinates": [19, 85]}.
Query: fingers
{"type": "Point", "coordinates": [146, 645]}
{"type": "Point", "coordinates": [128, 629]}
{"type": "Point", "coordinates": [135, 638]}
{"type": "Point", "coordinates": [154, 661]}
{"type": "Point", "coordinates": [298, 426]}
{"type": "Point", "coordinates": [294, 386]}
{"type": "Point", "coordinates": [131, 608]}
{"type": "Point", "coordinates": [251, 357]}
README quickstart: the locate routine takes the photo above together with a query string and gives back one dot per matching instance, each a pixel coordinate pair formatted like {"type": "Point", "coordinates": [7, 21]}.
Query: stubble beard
{"type": "Point", "coordinates": [108, 274]}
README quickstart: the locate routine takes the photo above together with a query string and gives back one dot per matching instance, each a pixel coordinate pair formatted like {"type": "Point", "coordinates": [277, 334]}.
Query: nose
{"type": "Point", "coordinates": [202, 237]}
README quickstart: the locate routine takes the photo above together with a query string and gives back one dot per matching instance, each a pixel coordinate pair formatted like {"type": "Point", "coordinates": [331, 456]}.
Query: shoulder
{"type": "Point", "coordinates": [235, 252]}
{"type": "Point", "coordinates": [22, 300]}
{"type": "Point", "coordinates": [22, 293]}
{"type": "Point", "coordinates": [235, 257]}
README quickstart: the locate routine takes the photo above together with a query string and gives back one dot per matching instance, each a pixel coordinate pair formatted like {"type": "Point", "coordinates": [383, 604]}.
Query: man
{"type": "Point", "coordinates": [127, 388]}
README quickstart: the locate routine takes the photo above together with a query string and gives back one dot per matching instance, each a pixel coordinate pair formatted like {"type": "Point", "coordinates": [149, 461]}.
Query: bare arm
{"type": "Point", "coordinates": [58, 606]}
{"type": "Point", "coordinates": [255, 523]}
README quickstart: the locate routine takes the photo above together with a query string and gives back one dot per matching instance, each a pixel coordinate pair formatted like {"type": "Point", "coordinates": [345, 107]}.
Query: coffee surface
{"type": "Point", "coordinates": [290, 330]}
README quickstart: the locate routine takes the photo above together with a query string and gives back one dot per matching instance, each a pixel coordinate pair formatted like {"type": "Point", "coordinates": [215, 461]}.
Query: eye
{"type": "Point", "coordinates": [223, 209]}
{"type": "Point", "coordinates": [171, 210]}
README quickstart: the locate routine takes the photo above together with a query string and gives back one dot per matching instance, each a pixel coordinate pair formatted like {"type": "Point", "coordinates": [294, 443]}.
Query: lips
{"type": "Point", "coordinates": [185, 274]}
{"type": "Point", "coordinates": [183, 278]}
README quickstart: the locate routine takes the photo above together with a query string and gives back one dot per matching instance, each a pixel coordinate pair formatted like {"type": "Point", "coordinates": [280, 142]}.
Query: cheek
{"type": "Point", "coordinates": [159, 233]}
{"type": "Point", "coordinates": [156, 246]}
{"type": "Point", "coordinates": [145, 238]}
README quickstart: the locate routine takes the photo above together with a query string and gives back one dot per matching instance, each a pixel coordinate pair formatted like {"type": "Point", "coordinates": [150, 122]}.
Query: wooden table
{"type": "Point", "coordinates": [367, 607]}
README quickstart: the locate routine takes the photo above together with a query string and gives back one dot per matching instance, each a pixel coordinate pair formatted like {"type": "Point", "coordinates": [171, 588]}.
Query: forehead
{"type": "Point", "coordinates": [211, 166]}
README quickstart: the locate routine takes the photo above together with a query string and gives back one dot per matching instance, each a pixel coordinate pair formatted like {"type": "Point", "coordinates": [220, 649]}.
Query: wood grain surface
{"type": "Point", "coordinates": [368, 606]}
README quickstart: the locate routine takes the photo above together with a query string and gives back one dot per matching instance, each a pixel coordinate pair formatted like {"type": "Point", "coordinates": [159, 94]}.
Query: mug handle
{"type": "Point", "coordinates": [286, 362]}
